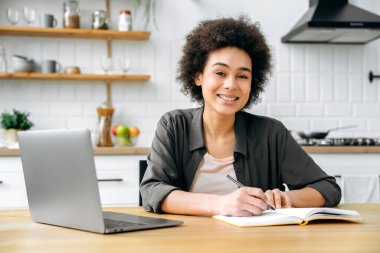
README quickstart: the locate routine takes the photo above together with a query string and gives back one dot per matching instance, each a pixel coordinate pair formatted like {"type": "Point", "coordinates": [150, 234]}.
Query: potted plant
{"type": "Point", "coordinates": [14, 122]}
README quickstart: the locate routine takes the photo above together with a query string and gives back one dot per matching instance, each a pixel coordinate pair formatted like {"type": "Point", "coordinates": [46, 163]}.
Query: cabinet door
{"type": "Point", "coordinates": [12, 190]}
{"type": "Point", "coordinates": [12, 186]}
{"type": "Point", "coordinates": [118, 187]}
{"type": "Point", "coordinates": [124, 170]}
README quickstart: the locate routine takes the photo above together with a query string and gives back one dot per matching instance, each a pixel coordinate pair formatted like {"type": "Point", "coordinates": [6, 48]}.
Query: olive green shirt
{"type": "Point", "coordinates": [266, 156]}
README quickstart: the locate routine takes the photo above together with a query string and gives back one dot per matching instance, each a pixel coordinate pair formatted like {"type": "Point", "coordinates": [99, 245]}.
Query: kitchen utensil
{"type": "Point", "coordinates": [50, 66]}
{"type": "Point", "coordinates": [48, 20]}
{"type": "Point", "coordinates": [22, 64]}
{"type": "Point", "coordinates": [72, 70]}
{"type": "Point", "coordinates": [29, 15]}
{"type": "Point", "coordinates": [106, 64]}
{"type": "Point", "coordinates": [12, 16]}
{"type": "Point", "coordinates": [104, 126]}
{"type": "Point", "coordinates": [321, 135]}
{"type": "Point", "coordinates": [125, 64]}
{"type": "Point", "coordinates": [99, 20]}
{"type": "Point", "coordinates": [3, 60]}
{"type": "Point", "coordinates": [71, 15]}
{"type": "Point", "coordinates": [125, 21]}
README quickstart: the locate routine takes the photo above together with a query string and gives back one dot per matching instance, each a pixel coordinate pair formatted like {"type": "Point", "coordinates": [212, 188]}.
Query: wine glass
{"type": "Point", "coordinates": [106, 64]}
{"type": "Point", "coordinates": [29, 15]}
{"type": "Point", "coordinates": [12, 16]}
{"type": "Point", "coordinates": [125, 64]}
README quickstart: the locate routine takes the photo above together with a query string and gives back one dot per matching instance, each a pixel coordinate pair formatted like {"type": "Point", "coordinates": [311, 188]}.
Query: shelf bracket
{"type": "Point", "coordinates": [109, 55]}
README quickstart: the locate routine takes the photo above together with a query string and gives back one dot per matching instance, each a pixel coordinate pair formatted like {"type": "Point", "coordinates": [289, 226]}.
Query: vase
{"type": "Point", "coordinates": [10, 135]}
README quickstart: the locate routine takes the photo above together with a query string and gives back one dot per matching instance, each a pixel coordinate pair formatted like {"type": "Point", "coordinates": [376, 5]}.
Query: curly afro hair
{"type": "Point", "coordinates": [211, 35]}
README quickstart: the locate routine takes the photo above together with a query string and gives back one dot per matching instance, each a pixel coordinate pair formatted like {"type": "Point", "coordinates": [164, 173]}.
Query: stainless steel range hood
{"type": "Point", "coordinates": [335, 21]}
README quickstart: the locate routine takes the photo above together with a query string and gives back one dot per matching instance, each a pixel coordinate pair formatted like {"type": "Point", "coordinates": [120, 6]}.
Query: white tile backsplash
{"type": "Point", "coordinates": [313, 86]}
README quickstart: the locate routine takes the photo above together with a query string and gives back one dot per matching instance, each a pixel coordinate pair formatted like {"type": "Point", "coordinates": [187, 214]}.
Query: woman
{"type": "Point", "coordinates": [224, 67]}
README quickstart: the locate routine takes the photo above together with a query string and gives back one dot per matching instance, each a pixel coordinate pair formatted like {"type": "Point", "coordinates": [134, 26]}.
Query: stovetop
{"type": "Point", "coordinates": [340, 142]}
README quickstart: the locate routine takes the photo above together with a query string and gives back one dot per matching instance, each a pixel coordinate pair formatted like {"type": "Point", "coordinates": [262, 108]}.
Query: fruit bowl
{"type": "Point", "coordinates": [125, 136]}
{"type": "Point", "coordinates": [126, 141]}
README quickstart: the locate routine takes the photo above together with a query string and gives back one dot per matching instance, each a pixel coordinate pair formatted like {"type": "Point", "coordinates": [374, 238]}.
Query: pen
{"type": "Point", "coordinates": [241, 185]}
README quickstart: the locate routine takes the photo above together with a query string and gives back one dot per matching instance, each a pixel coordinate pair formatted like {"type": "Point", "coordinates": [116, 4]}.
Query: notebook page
{"type": "Point", "coordinates": [267, 218]}
{"type": "Point", "coordinates": [306, 213]}
{"type": "Point", "coordinates": [298, 212]}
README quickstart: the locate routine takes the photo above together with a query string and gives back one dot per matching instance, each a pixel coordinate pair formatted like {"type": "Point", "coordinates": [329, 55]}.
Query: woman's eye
{"type": "Point", "coordinates": [220, 73]}
{"type": "Point", "coordinates": [242, 77]}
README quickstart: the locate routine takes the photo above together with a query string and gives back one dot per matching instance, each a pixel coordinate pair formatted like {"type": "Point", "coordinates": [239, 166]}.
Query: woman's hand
{"type": "Point", "coordinates": [245, 201]}
{"type": "Point", "coordinates": [278, 199]}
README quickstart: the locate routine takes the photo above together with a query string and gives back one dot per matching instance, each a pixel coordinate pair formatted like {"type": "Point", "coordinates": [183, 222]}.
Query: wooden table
{"type": "Point", "coordinates": [199, 234]}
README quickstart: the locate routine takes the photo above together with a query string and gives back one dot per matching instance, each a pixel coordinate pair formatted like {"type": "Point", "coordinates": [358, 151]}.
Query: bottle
{"type": "Point", "coordinates": [71, 14]}
{"type": "Point", "coordinates": [125, 21]}
{"type": "Point", "coordinates": [104, 126]}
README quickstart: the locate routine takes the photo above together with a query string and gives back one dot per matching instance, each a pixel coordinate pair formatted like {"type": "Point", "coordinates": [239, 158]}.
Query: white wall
{"type": "Point", "coordinates": [313, 86]}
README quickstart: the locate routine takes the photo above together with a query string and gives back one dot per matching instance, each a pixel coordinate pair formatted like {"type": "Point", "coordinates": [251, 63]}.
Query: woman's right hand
{"type": "Point", "coordinates": [245, 201]}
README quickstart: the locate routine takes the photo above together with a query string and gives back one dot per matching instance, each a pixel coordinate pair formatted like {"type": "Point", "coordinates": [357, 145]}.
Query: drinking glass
{"type": "Point", "coordinates": [125, 64]}
{"type": "Point", "coordinates": [12, 16]}
{"type": "Point", "coordinates": [106, 64]}
{"type": "Point", "coordinates": [29, 15]}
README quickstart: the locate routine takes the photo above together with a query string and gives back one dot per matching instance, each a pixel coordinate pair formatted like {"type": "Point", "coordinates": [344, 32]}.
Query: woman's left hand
{"type": "Point", "coordinates": [278, 199]}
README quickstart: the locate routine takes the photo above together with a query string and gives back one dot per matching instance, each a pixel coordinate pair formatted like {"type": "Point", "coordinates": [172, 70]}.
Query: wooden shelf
{"type": "Point", "coordinates": [73, 33]}
{"type": "Point", "coordinates": [62, 76]}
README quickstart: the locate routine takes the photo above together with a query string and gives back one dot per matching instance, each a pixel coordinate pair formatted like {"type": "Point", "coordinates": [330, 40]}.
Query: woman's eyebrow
{"type": "Point", "coordinates": [225, 65]}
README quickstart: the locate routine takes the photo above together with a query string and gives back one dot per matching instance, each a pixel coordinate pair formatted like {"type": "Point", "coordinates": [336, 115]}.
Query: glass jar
{"type": "Point", "coordinates": [104, 126]}
{"type": "Point", "coordinates": [3, 60]}
{"type": "Point", "coordinates": [99, 20]}
{"type": "Point", "coordinates": [71, 14]}
{"type": "Point", "coordinates": [125, 21]}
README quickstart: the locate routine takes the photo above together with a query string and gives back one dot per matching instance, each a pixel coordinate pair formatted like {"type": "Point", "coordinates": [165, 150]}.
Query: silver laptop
{"type": "Point", "coordinates": [62, 187]}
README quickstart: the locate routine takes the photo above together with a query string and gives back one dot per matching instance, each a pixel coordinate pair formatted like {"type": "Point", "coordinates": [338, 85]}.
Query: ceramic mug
{"type": "Point", "coordinates": [48, 20]}
{"type": "Point", "coordinates": [50, 66]}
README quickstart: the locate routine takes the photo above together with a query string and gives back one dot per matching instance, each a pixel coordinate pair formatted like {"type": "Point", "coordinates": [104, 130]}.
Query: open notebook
{"type": "Point", "coordinates": [285, 216]}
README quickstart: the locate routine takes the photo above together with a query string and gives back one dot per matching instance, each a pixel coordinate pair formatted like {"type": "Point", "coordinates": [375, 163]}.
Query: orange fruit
{"type": "Point", "coordinates": [134, 131]}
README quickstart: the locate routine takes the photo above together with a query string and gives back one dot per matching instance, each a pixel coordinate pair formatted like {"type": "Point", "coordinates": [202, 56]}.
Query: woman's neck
{"type": "Point", "coordinates": [216, 125]}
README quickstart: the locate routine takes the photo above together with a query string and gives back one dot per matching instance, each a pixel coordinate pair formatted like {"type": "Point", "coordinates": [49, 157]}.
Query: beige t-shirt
{"type": "Point", "coordinates": [211, 176]}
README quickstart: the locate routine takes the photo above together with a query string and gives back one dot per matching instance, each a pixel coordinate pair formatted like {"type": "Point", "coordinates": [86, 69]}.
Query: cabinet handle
{"type": "Point", "coordinates": [110, 180]}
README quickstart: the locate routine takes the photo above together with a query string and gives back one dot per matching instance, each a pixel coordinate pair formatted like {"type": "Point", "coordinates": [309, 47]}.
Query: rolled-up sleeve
{"type": "Point", "coordinates": [299, 170]}
{"type": "Point", "coordinates": [161, 172]}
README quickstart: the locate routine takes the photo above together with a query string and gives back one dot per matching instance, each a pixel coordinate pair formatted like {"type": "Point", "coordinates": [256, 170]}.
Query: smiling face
{"type": "Point", "coordinates": [226, 81]}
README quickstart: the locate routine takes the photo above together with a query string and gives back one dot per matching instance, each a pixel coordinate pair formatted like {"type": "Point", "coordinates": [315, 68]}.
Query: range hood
{"type": "Point", "coordinates": [334, 21]}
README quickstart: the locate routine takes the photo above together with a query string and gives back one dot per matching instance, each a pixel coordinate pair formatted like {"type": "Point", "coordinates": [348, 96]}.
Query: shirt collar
{"type": "Point", "coordinates": [196, 132]}
{"type": "Point", "coordinates": [240, 134]}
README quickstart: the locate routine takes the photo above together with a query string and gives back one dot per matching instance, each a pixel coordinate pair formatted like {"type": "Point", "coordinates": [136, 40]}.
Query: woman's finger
{"type": "Point", "coordinates": [277, 198]}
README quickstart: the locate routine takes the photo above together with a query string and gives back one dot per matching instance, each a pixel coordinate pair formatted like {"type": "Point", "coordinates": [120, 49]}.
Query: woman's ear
{"type": "Point", "coordinates": [198, 79]}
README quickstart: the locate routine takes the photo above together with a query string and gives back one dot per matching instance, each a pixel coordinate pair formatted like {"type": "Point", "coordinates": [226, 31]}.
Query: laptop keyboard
{"type": "Point", "coordinates": [110, 223]}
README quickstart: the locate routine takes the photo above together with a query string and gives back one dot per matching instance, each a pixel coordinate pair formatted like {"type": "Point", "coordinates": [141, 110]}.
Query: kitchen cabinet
{"type": "Point", "coordinates": [120, 185]}
{"type": "Point", "coordinates": [362, 170]}
{"type": "Point", "coordinates": [107, 35]}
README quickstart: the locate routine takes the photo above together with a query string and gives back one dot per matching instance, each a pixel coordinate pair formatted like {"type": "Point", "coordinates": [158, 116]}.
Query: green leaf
{"type": "Point", "coordinates": [16, 120]}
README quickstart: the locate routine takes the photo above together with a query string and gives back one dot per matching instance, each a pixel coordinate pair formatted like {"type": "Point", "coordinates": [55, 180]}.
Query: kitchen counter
{"type": "Point", "coordinates": [198, 234]}
{"type": "Point", "coordinates": [145, 150]}
{"type": "Point", "coordinates": [97, 151]}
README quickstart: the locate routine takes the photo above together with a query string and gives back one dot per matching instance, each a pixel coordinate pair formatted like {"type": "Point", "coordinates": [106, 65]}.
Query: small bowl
{"type": "Point", "coordinates": [72, 70]}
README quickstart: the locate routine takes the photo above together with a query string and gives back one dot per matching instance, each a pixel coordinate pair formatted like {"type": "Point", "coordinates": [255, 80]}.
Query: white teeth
{"type": "Point", "coordinates": [227, 98]}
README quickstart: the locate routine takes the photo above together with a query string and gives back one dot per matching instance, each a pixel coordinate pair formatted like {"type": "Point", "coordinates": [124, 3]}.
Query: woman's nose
{"type": "Point", "coordinates": [230, 83]}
